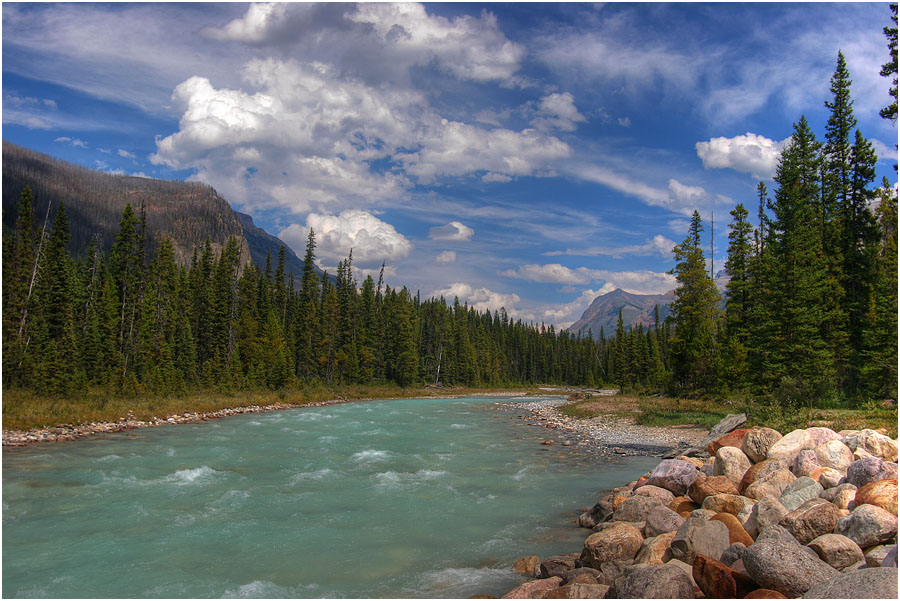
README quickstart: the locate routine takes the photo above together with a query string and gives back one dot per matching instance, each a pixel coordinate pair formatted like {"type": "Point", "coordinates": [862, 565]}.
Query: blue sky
{"type": "Point", "coordinates": [521, 155]}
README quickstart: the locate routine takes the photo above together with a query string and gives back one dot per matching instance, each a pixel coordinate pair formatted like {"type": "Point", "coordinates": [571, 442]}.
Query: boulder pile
{"type": "Point", "coordinates": [812, 514]}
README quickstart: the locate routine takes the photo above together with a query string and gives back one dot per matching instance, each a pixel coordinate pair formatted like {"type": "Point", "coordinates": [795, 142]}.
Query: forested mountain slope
{"type": "Point", "coordinates": [637, 309]}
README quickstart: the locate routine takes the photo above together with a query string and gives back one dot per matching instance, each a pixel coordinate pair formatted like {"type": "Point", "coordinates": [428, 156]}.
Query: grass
{"type": "Point", "coordinates": [23, 409]}
{"type": "Point", "coordinates": [666, 411]}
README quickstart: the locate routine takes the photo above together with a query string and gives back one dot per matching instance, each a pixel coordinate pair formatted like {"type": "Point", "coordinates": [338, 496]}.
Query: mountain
{"type": "Point", "coordinates": [637, 309]}
{"type": "Point", "coordinates": [185, 212]}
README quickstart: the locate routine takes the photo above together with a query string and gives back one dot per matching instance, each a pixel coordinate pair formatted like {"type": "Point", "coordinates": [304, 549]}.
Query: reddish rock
{"type": "Point", "coordinates": [733, 504]}
{"type": "Point", "coordinates": [826, 476]}
{"type": "Point", "coordinates": [706, 487]}
{"type": "Point", "coordinates": [770, 485]}
{"type": "Point", "coordinates": [736, 532]}
{"type": "Point", "coordinates": [765, 593]}
{"type": "Point", "coordinates": [757, 471]}
{"type": "Point", "coordinates": [811, 520]}
{"type": "Point", "coordinates": [732, 439]}
{"type": "Point", "coordinates": [619, 542]}
{"type": "Point", "coordinates": [532, 588]}
{"type": "Point", "coordinates": [577, 590]}
{"type": "Point", "coordinates": [618, 500]}
{"type": "Point", "coordinates": [881, 493]}
{"type": "Point", "coordinates": [529, 565]}
{"type": "Point", "coordinates": [718, 581]}
{"type": "Point", "coordinates": [682, 504]}
{"type": "Point", "coordinates": [655, 550]}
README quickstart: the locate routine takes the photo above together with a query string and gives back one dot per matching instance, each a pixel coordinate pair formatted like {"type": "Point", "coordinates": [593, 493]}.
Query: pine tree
{"type": "Point", "coordinates": [890, 67]}
{"type": "Point", "coordinates": [738, 296]}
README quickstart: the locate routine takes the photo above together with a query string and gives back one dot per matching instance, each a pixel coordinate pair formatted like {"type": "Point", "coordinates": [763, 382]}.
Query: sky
{"type": "Point", "coordinates": [529, 156]}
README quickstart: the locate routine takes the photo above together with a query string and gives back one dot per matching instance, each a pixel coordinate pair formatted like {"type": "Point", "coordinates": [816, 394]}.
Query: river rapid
{"type": "Point", "coordinates": [402, 498]}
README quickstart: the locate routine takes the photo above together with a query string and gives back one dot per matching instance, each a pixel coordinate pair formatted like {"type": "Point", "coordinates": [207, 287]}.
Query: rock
{"type": "Point", "coordinates": [587, 520]}
{"type": "Point", "coordinates": [529, 565]}
{"type": "Point", "coordinates": [765, 593]}
{"type": "Point", "coordinates": [655, 492]}
{"type": "Point", "coordinates": [805, 462]}
{"type": "Point", "coordinates": [826, 476]}
{"type": "Point", "coordinates": [859, 565]}
{"type": "Point", "coordinates": [868, 525]}
{"type": "Point", "coordinates": [687, 569]}
{"type": "Point", "coordinates": [776, 533]}
{"type": "Point", "coordinates": [770, 485]}
{"type": "Point", "coordinates": [785, 567]}
{"type": "Point", "coordinates": [874, 443]}
{"type": "Point", "coordinates": [661, 520]}
{"type": "Point", "coordinates": [882, 493]}
{"type": "Point", "coordinates": [875, 555]}
{"type": "Point", "coordinates": [654, 582]}
{"type": "Point", "coordinates": [705, 487]}
{"type": "Point", "coordinates": [701, 536]}
{"type": "Point", "coordinates": [811, 520]}
{"type": "Point", "coordinates": [841, 495]}
{"type": "Point", "coordinates": [799, 491]}
{"type": "Point", "coordinates": [557, 565]}
{"type": "Point", "coordinates": [822, 435]}
{"type": "Point", "coordinates": [870, 469]}
{"type": "Point", "coordinates": [619, 498]}
{"type": "Point", "coordinates": [619, 542]}
{"type": "Point", "coordinates": [834, 454]}
{"type": "Point", "coordinates": [733, 504]}
{"type": "Point", "coordinates": [729, 422]}
{"type": "Point", "coordinates": [655, 550]}
{"type": "Point", "coordinates": [578, 590]}
{"type": "Point", "coordinates": [788, 446]}
{"type": "Point", "coordinates": [581, 576]}
{"type": "Point", "coordinates": [697, 463]}
{"type": "Point", "coordinates": [733, 553]}
{"type": "Point", "coordinates": [635, 508]}
{"type": "Point", "coordinates": [758, 441]}
{"type": "Point", "coordinates": [680, 504]}
{"type": "Point", "coordinates": [611, 571]}
{"type": "Point", "coordinates": [702, 514]}
{"type": "Point", "coordinates": [731, 462]}
{"type": "Point", "coordinates": [836, 550]}
{"type": "Point", "coordinates": [529, 590]}
{"type": "Point", "coordinates": [767, 512]}
{"type": "Point", "coordinates": [874, 583]}
{"type": "Point", "coordinates": [732, 439]}
{"type": "Point", "coordinates": [736, 532]}
{"type": "Point", "coordinates": [861, 453]}
{"type": "Point", "coordinates": [757, 471]}
{"type": "Point", "coordinates": [890, 560]}
{"type": "Point", "coordinates": [718, 581]}
{"type": "Point", "coordinates": [673, 475]}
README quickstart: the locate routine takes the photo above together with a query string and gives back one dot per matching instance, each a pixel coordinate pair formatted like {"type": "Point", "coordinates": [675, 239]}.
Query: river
{"type": "Point", "coordinates": [400, 498]}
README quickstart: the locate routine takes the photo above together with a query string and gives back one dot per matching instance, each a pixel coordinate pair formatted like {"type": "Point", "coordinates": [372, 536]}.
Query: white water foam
{"type": "Point", "coordinates": [521, 473]}
{"type": "Point", "coordinates": [106, 458]}
{"type": "Point", "coordinates": [264, 589]}
{"type": "Point", "coordinates": [460, 426]}
{"type": "Point", "coordinates": [314, 475]}
{"type": "Point", "coordinates": [196, 475]}
{"type": "Point", "coordinates": [370, 455]}
{"type": "Point", "coordinates": [459, 582]}
{"type": "Point", "coordinates": [395, 480]}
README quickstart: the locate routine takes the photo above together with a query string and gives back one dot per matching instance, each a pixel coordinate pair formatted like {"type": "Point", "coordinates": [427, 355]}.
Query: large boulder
{"type": "Point", "coordinates": [811, 520]}
{"type": "Point", "coordinates": [530, 565]}
{"type": "Point", "coordinates": [874, 583]}
{"type": "Point", "coordinates": [758, 441]}
{"type": "Point", "coordinates": [799, 491]}
{"type": "Point", "coordinates": [697, 535]}
{"type": "Point", "coordinates": [733, 504]}
{"type": "Point", "coordinates": [785, 567]}
{"type": "Point", "coordinates": [788, 446]}
{"type": "Point", "coordinates": [533, 588]}
{"type": "Point", "coordinates": [661, 520]}
{"type": "Point", "coordinates": [822, 435]}
{"type": "Point", "coordinates": [732, 463]}
{"type": "Point", "coordinates": [714, 485]}
{"type": "Point", "coordinates": [841, 495]}
{"type": "Point", "coordinates": [870, 469]}
{"type": "Point", "coordinates": [734, 552]}
{"type": "Point", "coordinates": [581, 575]}
{"type": "Point", "coordinates": [718, 581]}
{"type": "Point", "coordinates": [654, 582]}
{"type": "Point", "coordinates": [878, 445]}
{"type": "Point", "coordinates": [557, 565]}
{"type": "Point", "coordinates": [834, 454]}
{"type": "Point", "coordinates": [758, 470]}
{"type": "Point", "coordinates": [620, 542]}
{"type": "Point", "coordinates": [836, 550]}
{"type": "Point", "coordinates": [876, 555]}
{"type": "Point", "coordinates": [673, 475]}
{"type": "Point", "coordinates": [776, 532]}
{"type": "Point", "coordinates": [577, 590]}
{"type": "Point", "coordinates": [729, 422]}
{"type": "Point", "coordinates": [635, 508]}
{"type": "Point", "coordinates": [805, 462]}
{"type": "Point", "coordinates": [868, 525]}
{"type": "Point", "coordinates": [882, 493]}
{"type": "Point", "coordinates": [656, 492]}
{"type": "Point", "coordinates": [732, 439]}
{"type": "Point", "coordinates": [770, 485]}
{"type": "Point", "coordinates": [766, 512]}
{"type": "Point", "coordinates": [656, 549]}
{"type": "Point", "coordinates": [736, 531]}
{"type": "Point", "coordinates": [826, 476]}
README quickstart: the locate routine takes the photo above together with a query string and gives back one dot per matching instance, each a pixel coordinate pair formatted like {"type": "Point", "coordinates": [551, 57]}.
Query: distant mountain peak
{"type": "Point", "coordinates": [637, 309]}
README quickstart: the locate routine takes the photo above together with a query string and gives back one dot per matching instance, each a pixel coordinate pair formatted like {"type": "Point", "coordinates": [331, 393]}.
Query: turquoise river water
{"type": "Point", "coordinates": [400, 498]}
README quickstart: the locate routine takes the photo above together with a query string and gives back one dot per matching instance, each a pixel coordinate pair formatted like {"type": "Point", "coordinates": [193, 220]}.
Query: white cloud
{"type": "Point", "coordinates": [618, 181]}
{"type": "Point", "coordinates": [624, 121]}
{"type": "Point", "coordinates": [639, 282]}
{"type": "Point", "coordinates": [125, 154]}
{"type": "Point", "coordinates": [748, 153]}
{"type": "Point", "coordinates": [481, 299]}
{"type": "Point", "coordinates": [884, 152]}
{"type": "Point", "coordinates": [253, 26]}
{"type": "Point", "coordinates": [372, 240]}
{"type": "Point", "coordinates": [446, 257]}
{"type": "Point", "coordinates": [452, 232]}
{"type": "Point", "coordinates": [658, 244]}
{"type": "Point", "coordinates": [553, 272]}
{"type": "Point", "coordinates": [495, 178]}
{"type": "Point", "coordinates": [557, 111]}
{"type": "Point", "coordinates": [72, 141]}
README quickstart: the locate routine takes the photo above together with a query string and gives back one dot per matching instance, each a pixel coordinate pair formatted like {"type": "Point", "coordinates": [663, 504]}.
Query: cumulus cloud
{"type": "Point", "coordinates": [748, 153]}
{"type": "Point", "coordinates": [884, 152]}
{"type": "Point", "coordinates": [372, 240]}
{"type": "Point", "coordinates": [446, 257]}
{"type": "Point", "coordinates": [639, 282]}
{"type": "Point", "coordinates": [452, 232]}
{"type": "Point", "coordinates": [481, 299]}
{"type": "Point", "coordinates": [557, 111]}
